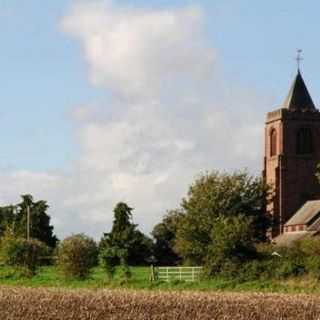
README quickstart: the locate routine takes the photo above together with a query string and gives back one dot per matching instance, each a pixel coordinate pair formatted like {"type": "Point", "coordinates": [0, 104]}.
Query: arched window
{"type": "Point", "coordinates": [273, 142]}
{"type": "Point", "coordinates": [304, 141]}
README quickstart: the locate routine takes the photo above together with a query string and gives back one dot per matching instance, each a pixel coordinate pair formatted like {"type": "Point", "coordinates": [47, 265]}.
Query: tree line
{"type": "Point", "coordinates": [219, 221]}
{"type": "Point", "coordinates": [220, 224]}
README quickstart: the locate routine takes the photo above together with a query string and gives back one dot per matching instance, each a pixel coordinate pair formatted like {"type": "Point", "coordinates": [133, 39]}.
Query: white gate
{"type": "Point", "coordinates": [168, 274]}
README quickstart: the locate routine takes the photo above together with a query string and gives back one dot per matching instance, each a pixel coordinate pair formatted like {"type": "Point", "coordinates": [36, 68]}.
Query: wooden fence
{"type": "Point", "coordinates": [190, 274]}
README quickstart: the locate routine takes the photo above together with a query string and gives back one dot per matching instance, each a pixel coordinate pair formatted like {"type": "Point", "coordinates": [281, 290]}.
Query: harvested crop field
{"type": "Point", "coordinates": [18, 303]}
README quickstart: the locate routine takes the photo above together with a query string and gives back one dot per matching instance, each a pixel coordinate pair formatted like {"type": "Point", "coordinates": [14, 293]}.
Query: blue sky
{"type": "Point", "coordinates": [43, 74]}
{"type": "Point", "coordinates": [45, 79]}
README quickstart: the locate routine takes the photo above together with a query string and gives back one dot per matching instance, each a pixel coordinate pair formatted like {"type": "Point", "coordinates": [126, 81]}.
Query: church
{"type": "Point", "coordinates": [292, 153]}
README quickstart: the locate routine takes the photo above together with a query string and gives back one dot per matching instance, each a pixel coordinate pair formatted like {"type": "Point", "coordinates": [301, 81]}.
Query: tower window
{"type": "Point", "coordinates": [304, 141]}
{"type": "Point", "coordinates": [273, 142]}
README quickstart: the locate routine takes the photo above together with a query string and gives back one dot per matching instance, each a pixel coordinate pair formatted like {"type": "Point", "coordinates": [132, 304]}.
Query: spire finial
{"type": "Point", "coordinates": [299, 59]}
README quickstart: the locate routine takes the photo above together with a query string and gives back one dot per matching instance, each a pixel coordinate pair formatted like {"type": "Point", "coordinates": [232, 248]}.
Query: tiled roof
{"type": "Point", "coordinates": [305, 214]}
{"type": "Point", "coordinates": [288, 238]}
{"type": "Point", "coordinates": [299, 97]}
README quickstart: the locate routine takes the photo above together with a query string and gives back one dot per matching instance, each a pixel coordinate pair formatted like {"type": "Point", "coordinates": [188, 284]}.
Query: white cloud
{"type": "Point", "coordinates": [140, 52]}
{"type": "Point", "coordinates": [171, 116]}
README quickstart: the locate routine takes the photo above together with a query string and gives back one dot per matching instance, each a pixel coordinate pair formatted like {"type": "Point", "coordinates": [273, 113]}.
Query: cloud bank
{"type": "Point", "coordinates": [170, 114]}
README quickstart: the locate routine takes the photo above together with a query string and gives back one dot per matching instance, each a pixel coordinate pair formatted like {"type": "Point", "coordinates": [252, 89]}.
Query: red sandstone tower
{"type": "Point", "coordinates": [292, 153]}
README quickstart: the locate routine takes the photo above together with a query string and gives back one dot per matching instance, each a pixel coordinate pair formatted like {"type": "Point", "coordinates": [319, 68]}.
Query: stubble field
{"type": "Point", "coordinates": [23, 303]}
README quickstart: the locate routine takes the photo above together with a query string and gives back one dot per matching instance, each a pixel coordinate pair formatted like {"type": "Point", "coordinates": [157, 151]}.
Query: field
{"type": "Point", "coordinates": [49, 277]}
{"type": "Point", "coordinates": [49, 296]}
{"type": "Point", "coordinates": [18, 303]}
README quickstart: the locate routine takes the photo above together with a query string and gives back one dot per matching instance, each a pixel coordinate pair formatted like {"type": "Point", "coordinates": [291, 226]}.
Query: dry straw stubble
{"type": "Point", "coordinates": [18, 303]}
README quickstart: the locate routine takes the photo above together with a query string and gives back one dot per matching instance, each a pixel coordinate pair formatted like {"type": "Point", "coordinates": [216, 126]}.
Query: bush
{"type": "Point", "coordinates": [313, 266]}
{"type": "Point", "coordinates": [311, 249]}
{"type": "Point", "coordinates": [77, 255]}
{"type": "Point", "coordinates": [253, 270]}
{"type": "Point", "coordinates": [288, 262]}
{"type": "Point", "coordinates": [232, 244]}
{"type": "Point", "coordinates": [109, 259]}
{"type": "Point", "coordinates": [290, 268]}
{"type": "Point", "coordinates": [302, 258]}
{"type": "Point", "coordinates": [125, 269]}
{"type": "Point", "coordinates": [24, 255]}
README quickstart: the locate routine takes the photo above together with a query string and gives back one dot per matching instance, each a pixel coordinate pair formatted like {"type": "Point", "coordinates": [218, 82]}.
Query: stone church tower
{"type": "Point", "coordinates": [292, 152]}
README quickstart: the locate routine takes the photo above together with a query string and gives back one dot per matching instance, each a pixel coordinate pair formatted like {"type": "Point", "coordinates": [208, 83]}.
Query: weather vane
{"type": "Point", "coordinates": [299, 58]}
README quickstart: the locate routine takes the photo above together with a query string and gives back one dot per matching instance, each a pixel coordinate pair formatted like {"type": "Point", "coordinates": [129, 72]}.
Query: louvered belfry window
{"type": "Point", "coordinates": [304, 141]}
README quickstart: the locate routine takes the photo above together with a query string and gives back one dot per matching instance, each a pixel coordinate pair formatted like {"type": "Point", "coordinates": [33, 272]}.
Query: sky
{"type": "Point", "coordinates": [105, 101]}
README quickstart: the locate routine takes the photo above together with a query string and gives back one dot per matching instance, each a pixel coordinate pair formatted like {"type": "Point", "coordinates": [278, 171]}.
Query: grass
{"type": "Point", "coordinates": [50, 277]}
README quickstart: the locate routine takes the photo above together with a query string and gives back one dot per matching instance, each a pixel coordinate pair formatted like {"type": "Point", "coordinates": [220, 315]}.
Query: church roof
{"type": "Point", "coordinates": [287, 239]}
{"type": "Point", "coordinates": [299, 97]}
{"type": "Point", "coordinates": [308, 214]}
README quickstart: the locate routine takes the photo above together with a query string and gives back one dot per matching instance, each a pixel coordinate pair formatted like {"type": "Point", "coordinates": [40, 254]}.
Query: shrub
{"type": "Point", "coordinates": [232, 245]}
{"type": "Point", "coordinates": [24, 255]}
{"type": "Point", "coordinates": [311, 249]}
{"type": "Point", "coordinates": [253, 270]}
{"type": "Point", "coordinates": [313, 266]}
{"type": "Point", "coordinates": [290, 268]}
{"type": "Point", "coordinates": [288, 262]}
{"type": "Point", "coordinates": [77, 255]}
{"type": "Point", "coordinates": [109, 259]}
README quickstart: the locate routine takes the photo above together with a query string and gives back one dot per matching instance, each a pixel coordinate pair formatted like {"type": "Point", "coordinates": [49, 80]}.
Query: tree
{"type": "Point", "coordinates": [219, 195]}
{"type": "Point", "coordinates": [231, 245]}
{"type": "Point", "coordinates": [22, 254]}
{"type": "Point", "coordinates": [132, 247]}
{"type": "Point", "coordinates": [164, 234]}
{"type": "Point", "coordinates": [7, 219]}
{"type": "Point", "coordinates": [77, 255]}
{"type": "Point", "coordinates": [15, 217]}
{"type": "Point", "coordinates": [109, 259]}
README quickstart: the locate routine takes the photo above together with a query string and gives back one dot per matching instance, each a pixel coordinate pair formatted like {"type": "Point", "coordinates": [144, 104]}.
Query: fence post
{"type": "Point", "coordinates": [152, 275]}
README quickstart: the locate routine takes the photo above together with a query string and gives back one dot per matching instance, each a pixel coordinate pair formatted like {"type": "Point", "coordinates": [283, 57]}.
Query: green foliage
{"type": "Point", "coordinates": [126, 273]}
{"type": "Point", "coordinates": [310, 248]}
{"type": "Point", "coordinates": [7, 219]}
{"type": "Point", "coordinates": [77, 255]}
{"type": "Point", "coordinates": [312, 265]}
{"type": "Point", "coordinates": [125, 240]}
{"type": "Point", "coordinates": [214, 196]}
{"type": "Point", "coordinates": [24, 255]}
{"type": "Point", "coordinates": [253, 270]}
{"type": "Point", "coordinates": [15, 217]}
{"type": "Point", "coordinates": [125, 270]}
{"type": "Point", "coordinates": [231, 245]}
{"type": "Point", "coordinates": [292, 262]}
{"type": "Point", "coordinates": [109, 259]}
{"type": "Point", "coordinates": [164, 235]}
{"type": "Point", "coordinates": [288, 262]}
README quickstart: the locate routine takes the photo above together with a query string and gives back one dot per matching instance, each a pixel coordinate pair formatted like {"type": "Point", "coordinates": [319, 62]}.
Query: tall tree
{"type": "Point", "coordinates": [7, 218]}
{"type": "Point", "coordinates": [125, 240]}
{"type": "Point", "coordinates": [15, 217]}
{"type": "Point", "coordinates": [164, 234]}
{"type": "Point", "coordinates": [215, 195]}
{"type": "Point", "coordinates": [232, 244]}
